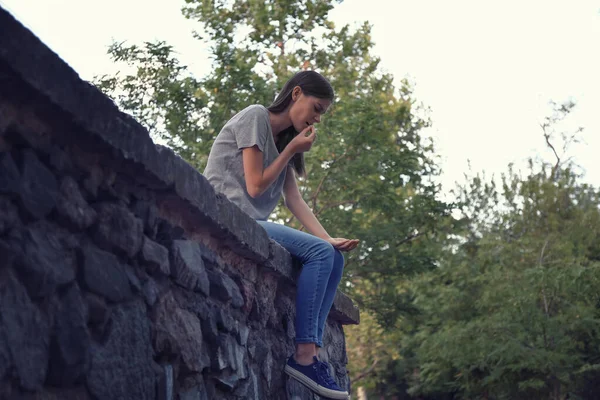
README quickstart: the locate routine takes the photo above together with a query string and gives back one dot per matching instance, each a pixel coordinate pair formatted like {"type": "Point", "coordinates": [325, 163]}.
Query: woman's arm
{"type": "Point", "coordinates": [296, 204]}
{"type": "Point", "coordinates": [258, 179]}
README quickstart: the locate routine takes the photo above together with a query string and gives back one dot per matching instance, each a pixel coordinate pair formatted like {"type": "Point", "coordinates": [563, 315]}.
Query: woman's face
{"type": "Point", "coordinates": [306, 110]}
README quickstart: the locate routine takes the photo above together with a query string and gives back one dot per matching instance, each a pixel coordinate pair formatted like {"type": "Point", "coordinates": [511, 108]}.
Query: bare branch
{"type": "Point", "coordinates": [411, 237]}
{"type": "Point", "coordinates": [313, 198]}
{"type": "Point", "coordinates": [547, 137]}
{"type": "Point", "coordinates": [365, 373]}
{"type": "Point", "coordinates": [336, 204]}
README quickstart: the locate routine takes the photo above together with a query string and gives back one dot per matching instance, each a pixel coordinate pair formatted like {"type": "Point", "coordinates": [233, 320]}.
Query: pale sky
{"type": "Point", "coordinates": [487, 69]}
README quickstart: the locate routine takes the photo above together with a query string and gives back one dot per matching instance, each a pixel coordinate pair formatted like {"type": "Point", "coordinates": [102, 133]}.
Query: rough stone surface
{"type": "Point", "coordinates": [26, 331]}
{"type": "Point", "coordinates": [47, 260]}
{"type": "Point", "coordinates": [8, 254]}
{"type": "Point", "coordinates": [98, 314]}
{"type": "Point", "coordinates": [252, 238]}
{"type": "Point", "coordinates": [134, 280]}
{"type": "Point", "coordinates": [104, 274]}
{"type": "Point", "coordinates": [70, 345]}
{"type": "Point", "coordinates": [251, 389]}
{"type": "Point", "coordinates": [93, 180]}
{"type": "Point", "coordinates": [286, 310]}
{"type": "Point", "coordinates": [72, 207]}
{"type": "Point", "coordinates": [196, 393]}
{"type": "Point", "coordinates": [5, 357]}
{"type": "Point", "coordinates": [39, 188]}
{"type": "Point", "coordinates": [242, 335]}
{"type": "Point", "coordinates": [9, 214]}
{"type": "Point", "coordinates": [155, 256]}
{"type": "Point", "coordinates": [344, 309]}
{"type": "Point", "coordinates": [225, 321]}
{"type": "Point", "coordinates": [281, 261]}
{"type": "Point", "coordinates": [10, 179]}
{"type": "Point", "coordinates": [225, 289]}
{"type": "Point", "coordinates": [265, 297]}
{"type": "Point", "coordinates": [210, 328]}
{"type": "Point", "coordinates": [122, 368]}
{"type": "Point", "coordinates": [148, 213]}
{"type": "Point", "coordinates": [166, 233]}
{"type": "Point", "coordinates": [151, 291]}
{"type": "Point", "coordinates": [178, 332]}
{"type": "Point", "coordinates": [229, 354]}
{"type": "Point", "coordinates": [118, 229]}
{"type": "Point", "coordinates": [187, 266]}
{"type": "Point", "coordinates": [194, 302]}
{"type": "Point", "coordinates": [165, 383]}
{"type": "Point", "coordinates": [75, 393]}
{"type": "Point", "coordinates": [61, 162]}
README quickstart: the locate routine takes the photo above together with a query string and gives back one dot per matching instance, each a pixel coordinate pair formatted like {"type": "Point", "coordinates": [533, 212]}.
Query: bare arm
{"type": "Point", "coordinates": [301, 210]}
{"type": "Point", "coordinates": [296, 204]}
{"type": "Point", "coordinates": [259, 179]}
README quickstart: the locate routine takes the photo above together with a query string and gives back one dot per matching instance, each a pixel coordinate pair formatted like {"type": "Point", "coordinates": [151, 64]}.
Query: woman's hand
{"type": "Point", "coordinates": [301, 142]}
{"type": "Point", "coordinates": [343, 244]}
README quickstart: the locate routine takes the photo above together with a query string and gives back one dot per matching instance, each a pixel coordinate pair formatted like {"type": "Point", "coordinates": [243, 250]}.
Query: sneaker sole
{"type": "Point", "coordinates": [312, 385]}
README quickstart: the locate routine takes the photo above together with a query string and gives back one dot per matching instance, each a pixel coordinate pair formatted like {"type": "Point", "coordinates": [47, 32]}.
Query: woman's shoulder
{"type": "Point", "coordinates": [253, 111]}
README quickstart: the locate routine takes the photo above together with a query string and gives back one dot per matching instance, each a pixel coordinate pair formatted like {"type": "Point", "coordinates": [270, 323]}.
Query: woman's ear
{"type": "Point", "coordinates": [296, 92]}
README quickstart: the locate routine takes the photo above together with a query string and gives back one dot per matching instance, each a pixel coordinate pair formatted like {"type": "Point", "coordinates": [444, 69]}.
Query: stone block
{"type": "Point", "coordinates": [187, 266]}
{"type": "Point", "coordinates": [26, 331]}
{"type": "Point", "coordinates": [72, 207]}
{"type": "Point", "coordinates": [155, 257]}
{"type": "Point", "coordinates": [98, 313]}
{"type": "Point", "coordinates": [105, 275]}
{"type": "Point", "coordinates": [148, 213]}
{"type": "Point", "coordinates": [39, 188]}
{"type": "Point", "coordinates": [165, 383]}
{"type": "Point", "coordinates": [9, 214]}
{"type": "Point", "coordinates": [178, 332]}
{"type": "Point", "coordinates": [225, 289]}
{"type": "Point", "coordinates": [70, 345]}
{"type": "Point", "coordinates": [118, 229]}
{"type": "Point", "coordinates": [123, 368]}
{"type": "Point", "coordinates": [47, 258]}
{"type": "Point", "coordinates": [10, 178]}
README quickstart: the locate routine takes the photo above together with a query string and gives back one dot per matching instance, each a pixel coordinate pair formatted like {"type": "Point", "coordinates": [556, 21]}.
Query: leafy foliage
{"type": "Point", "coordinates": [513, 312]}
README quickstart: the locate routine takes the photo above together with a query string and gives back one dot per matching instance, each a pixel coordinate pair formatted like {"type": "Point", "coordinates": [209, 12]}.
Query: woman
{"type": "Point", "coordinates": [253, 161]}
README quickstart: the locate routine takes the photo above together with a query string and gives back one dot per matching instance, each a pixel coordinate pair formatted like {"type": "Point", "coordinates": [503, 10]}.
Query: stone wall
{"type": "Point", "coordinates": [123, 275]}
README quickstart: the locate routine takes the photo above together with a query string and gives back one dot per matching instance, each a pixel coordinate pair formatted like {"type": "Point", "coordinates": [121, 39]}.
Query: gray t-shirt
{"type": "Point", "coordinates": [225, 168]}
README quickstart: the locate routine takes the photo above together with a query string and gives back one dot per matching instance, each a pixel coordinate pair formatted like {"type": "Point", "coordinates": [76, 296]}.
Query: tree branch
{"type": "Point", "coordinates": [336, 204]}
{"type": "Point", "coordinates": [547, 137]}
{"type": "Point", "coordinates": [411, 237]}
{"type": "Point", "coordinates": [319, 187]}
{"type": "Point", "coordinates": [365, 373]}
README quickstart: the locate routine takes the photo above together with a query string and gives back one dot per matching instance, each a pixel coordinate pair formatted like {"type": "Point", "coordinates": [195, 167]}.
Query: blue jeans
{"type": "Point", "coordinates": [322, 267]}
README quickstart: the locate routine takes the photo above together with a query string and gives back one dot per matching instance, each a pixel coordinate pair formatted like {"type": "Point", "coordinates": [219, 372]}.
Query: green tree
{"type": "Point", "coordinates": [512, 313]}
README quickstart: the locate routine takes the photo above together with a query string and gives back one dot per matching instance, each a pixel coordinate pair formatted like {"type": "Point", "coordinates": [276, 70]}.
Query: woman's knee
{"type": "Point", "coordinates": [338, 260]}
{"type": "Point", "coordinates": [324, 250]}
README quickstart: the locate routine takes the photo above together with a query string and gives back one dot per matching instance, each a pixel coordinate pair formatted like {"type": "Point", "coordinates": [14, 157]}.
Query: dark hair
{"type": "Point", "coordinates": [312, 84]}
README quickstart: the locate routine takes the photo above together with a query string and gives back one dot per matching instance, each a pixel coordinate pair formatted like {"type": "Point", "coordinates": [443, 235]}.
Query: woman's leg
{"type": "Point", "coordinates": [317, 257]}
{"type": "Point", "coordinates": [334, 280]}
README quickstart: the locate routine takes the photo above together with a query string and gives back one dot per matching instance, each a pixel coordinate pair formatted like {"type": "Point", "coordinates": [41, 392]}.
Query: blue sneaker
{"type": "Point", "coordinates": [315, 377]}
